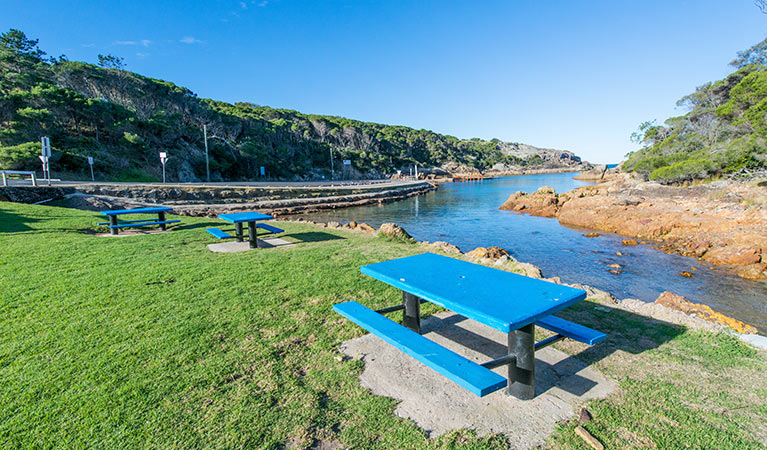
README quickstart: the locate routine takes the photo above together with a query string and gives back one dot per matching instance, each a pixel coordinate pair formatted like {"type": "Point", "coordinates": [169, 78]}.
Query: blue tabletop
{"type": "Point", "coordinates": [499, 299]}
{"type": "Point", "coordinates": [156, 209]}
{"type": "Point", "coordinates": [244, 217]}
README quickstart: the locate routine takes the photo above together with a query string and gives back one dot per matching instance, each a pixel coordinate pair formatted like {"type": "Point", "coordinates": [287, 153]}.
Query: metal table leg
{"type": "Point", "coordinates": [252, 235]}
{"type": "Point", "coordinates": [522, 370]}
{"type": "Point", "coordinates": [238, 231]}
{"type": "Point", "coordinates": [113, 221]}
{"type": "Point", "coordinates": [411, 317]}
{"type": "Point", "coordinates": [161, 216]}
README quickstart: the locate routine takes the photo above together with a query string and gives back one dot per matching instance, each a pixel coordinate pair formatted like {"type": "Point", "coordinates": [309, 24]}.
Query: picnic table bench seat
{"type": "Point", "coordinates": [270, 228]}
{"type": "Point", "coordinates": [571, 330]}
{"type": "Point", "coordinates": [463, 371]}
{"type": "Point", "coordinates": [220, 234]}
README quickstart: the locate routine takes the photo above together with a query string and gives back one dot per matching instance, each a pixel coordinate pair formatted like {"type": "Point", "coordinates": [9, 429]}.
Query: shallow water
{"type": "Point", "coordinates": [467, 215]}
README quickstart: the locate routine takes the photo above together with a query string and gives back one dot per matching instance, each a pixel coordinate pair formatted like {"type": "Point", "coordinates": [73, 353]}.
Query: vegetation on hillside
{"type": "Point", "coordinates": [124, 119]}
{"type": "Point", "coordinates": [724, 131]}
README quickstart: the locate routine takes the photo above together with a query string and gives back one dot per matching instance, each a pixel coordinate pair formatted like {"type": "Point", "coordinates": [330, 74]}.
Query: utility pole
{"type": "Point", "coordinates": [331, 163]}
{"type": "Point", "coordinates": [207, 162]}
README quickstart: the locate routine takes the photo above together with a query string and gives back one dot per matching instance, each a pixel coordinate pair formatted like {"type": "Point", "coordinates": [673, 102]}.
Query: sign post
{"type": "Point", "coordinates": [263, 171]}
{"type": "Point", "coordinates": [347, 166]}
{"type": "Point", "coordinates": [45, 156]}
{"type": "Point", "coordinates": [163, 158]}
{"type": "Point", "coordinates": [90, 163]}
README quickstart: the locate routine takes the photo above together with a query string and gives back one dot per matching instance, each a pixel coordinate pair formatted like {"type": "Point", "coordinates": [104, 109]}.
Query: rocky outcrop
{"type": "Point", "coordinates": [680, 303]}
{"type": "Point", "coordinates": [722, 222]}
{"type": "Point", "coordinates": [543, 202]}
{"type": "Point", "coordinates": [29, 194]}
{"type": "Point", "coordinates": [394, 231]}
{"type": "Point", "coordinates": [488, 252]}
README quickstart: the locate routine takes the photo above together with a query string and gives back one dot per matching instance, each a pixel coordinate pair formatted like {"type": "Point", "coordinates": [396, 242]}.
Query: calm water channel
{"type": "Point", "coordinates": [467, 215]}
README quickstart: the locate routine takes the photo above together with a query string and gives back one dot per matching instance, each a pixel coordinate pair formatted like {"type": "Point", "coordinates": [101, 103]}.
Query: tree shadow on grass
{"type": "Point", "coordinates": [311, 236]}
{"type": "Point", "coordinates": [15, 223]}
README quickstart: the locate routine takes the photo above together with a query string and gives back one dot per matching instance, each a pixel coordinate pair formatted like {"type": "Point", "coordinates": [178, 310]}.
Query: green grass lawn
{"type": "Point", "coordinates": [241, 350]}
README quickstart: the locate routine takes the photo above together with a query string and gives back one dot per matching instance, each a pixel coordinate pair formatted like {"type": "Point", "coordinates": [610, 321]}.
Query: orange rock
{"type": "Point", "coordinates": [733, 254]}
{"type": "Point", "coordinates": [686, 274]}
{"type": "Point", "coordinates": [680, 303]}
{"type": "Point", "coordinates": [544, 202]}
{"type": "Point", "coordinates": [754, 272]}
{"type": "Point", "coordinates": [629, 242]}
{"type": "Point", "coordinates": [365, 227]}
{"type": "Point", "coordinates": [489, 252]}
{"type": "Point", "coordinates": [593, 234]}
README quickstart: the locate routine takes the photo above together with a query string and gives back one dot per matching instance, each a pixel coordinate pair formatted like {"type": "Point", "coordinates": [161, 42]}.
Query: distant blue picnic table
{"type": "Point", "coordinates": [502, 300]}
{"type": "Point", "coordinates": [244, 217]}
{"type": "Point", "coordinates": [115, 225]}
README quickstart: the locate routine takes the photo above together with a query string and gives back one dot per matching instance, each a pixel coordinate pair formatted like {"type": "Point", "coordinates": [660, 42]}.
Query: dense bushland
{"type": "Point", "coordinates": [124, 119]}
{"type": "Point", "coordinates": [722, 133]}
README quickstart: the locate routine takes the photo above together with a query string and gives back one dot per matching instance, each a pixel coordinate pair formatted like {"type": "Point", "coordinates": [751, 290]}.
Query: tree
{"type": "Point", "coordinates": [116, 63]}
{"type": "Point", "coordinates": [754, 55]}
{"type": "Point", "coordinates": [16, 42]}
{"type": "Point", "coordinates": [111, 62]}
{"type": "Point", "coordinates": [20, 58]}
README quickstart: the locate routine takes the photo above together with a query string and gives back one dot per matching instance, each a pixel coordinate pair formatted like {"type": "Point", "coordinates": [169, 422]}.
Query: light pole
{"type": "Point", "coordinates": [163, 158]}
{"type": "Point", "coordinates": [331, 163]}
{"type": "Point", "coordinates": [207, 162]}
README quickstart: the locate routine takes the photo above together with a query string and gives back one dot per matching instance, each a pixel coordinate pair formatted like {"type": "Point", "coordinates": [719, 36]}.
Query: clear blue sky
{"type": "Point", "coordinates": [565, 74]}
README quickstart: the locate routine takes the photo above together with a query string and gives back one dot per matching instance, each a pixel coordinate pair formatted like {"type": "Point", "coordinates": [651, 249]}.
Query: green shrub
{"type": "Point", "coordinates": [136, 176]}
{"type": "Point", "coordinates": [19, 156]}
{"type": "Point", "coordinates": [688, 170]}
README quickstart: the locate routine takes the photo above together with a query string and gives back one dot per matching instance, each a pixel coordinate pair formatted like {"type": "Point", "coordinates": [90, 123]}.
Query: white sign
{"type": "Point", "coordinates": [46, 145]}
{"type": "Point", "coordinates": [163, 156]}
{"type": "Point", "coordinates": [90, 160]}
{"type": "Point", "coordinates": [347, 162]}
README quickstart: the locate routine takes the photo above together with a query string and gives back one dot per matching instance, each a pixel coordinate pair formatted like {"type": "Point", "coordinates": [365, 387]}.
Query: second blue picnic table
{"type": "Point", "coordinates": [245, 217]}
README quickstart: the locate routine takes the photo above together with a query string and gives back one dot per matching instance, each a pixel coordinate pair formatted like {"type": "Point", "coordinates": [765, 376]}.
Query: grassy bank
{"type": "Point", "coordinates": [241, 350]}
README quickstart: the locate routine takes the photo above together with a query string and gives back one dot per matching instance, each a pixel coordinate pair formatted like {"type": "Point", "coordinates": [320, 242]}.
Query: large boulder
{"type": "Point", "coordinates": [754, 271]}
{"type": "Point", "coordinates": [445, 247]}
{"type": "Point", "coordinates": [544, 202]}
{"type": "Point", "coordinates": [394, 231]}
{"type": "Point", "coordinates": [680, 303]}
{"type": "Point", "coordinates": [733, 254]}
{"type": "Point", "coordinates": [488, 253]}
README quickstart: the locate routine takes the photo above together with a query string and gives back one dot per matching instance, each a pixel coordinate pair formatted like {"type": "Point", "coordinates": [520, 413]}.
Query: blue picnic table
{"type": "Point", "coordinates": [506, 301]}
{"type": "Point", "coordinates": [251, 218]}
{"type": "Point", "coordinates": [115, 224]}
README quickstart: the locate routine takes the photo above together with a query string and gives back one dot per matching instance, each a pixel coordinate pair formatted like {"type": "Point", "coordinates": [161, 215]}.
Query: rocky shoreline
{"type": "Point", "coordinates": [667, 307]}
{"type": "Point", "coordinates": [722, 223]}
{"type": "Point", "coordinates": [209, 201]}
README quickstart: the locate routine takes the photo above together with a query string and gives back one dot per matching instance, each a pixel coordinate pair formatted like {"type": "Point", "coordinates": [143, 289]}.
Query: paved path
{"type": "Point", "coordinates": [337, 184]}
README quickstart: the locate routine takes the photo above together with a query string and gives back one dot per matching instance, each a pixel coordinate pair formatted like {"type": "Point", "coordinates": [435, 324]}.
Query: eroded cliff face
{"type": "Point", "coordinates": [723, 223]}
